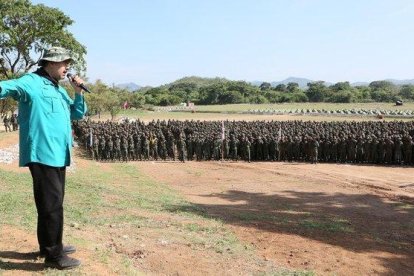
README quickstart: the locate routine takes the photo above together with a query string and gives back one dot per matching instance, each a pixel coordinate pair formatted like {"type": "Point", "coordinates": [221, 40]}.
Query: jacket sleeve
{"type": "Point", "coordinates": [16, 88]}
{"type": "Point", "coordinates": [78, 108]}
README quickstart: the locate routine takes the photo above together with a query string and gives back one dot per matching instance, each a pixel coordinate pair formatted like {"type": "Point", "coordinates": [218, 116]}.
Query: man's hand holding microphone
{"type": "Point", "coordinates": [77, 83]}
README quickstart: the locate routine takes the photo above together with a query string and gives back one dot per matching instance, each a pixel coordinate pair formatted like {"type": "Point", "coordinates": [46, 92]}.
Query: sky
{"type": "Point", "coordinates": [155, 42]}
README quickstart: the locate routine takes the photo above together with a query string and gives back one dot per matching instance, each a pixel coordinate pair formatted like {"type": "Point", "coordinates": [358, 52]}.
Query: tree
{"type": "Point", "coordinates": [299, 97]}
{"type": "Point", "coordinates": [137, 100]}
{"type": "Point", "coordinates": [342, 97]}
{"type": "Point", "coordinates": [383, 91]}
{"type": "Point", "coordinates": [341, 86]}
{"type": "Point", "coordinates": [382, 95]}
{"type": "Point", "coordinates": [293, 87]}
{"type": "Point", "coordinates": [231, 97]}
{"type": "Point", "coordinates": [407, 91]}
{"type": "Point", "coordinates": [281, 87]}
{"type": "Point", "coordinates": [26, 30]}
{"type": "Point", "coordinates": [316, 91]}
{"type": "Point", "coordinates": [245, 89]}
{"type": "Point", "coordinates": [273, 96]}
{"type": "Point", "coordinates": [7, 105]}
{"type": "Point", "coordinates": [96, 100]}
{"type": "Point", "coordinates": [382, 85]}
{"type": "Point", "coordinates": [210, 94]}
{"type": "Point", "coordinates": [363, 93]}
{"type": "Point", "coordinates": [258, 99]}
{"type": "Point", "coordinates": [183, 90]}
{"type": "Point", "coordinates": [265, 86]}
{"type": "Point", "coordinates": [112, 103]}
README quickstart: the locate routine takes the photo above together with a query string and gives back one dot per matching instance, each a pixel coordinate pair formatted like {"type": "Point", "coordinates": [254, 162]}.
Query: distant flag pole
{"type": "Point", "coordinates": [222, 140]}
{"type": "Point", "coordinates": [279, 138]}
{"type": "Point", "coordinates": [90, 138]}
{"type": "Point", "coordinates": [279, 135]}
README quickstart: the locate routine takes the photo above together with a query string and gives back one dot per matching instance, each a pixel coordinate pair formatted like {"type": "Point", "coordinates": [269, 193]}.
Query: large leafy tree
{"type": "Point", "coordinates": [265, 86]}
{"type": "Point", "coordinates": [293, 87]}
{"type": "Point", "coordinates": [26, 30]}
{"type": "Point", "coordinates": [407, 91]}
{"type": "Point", "coordinates": [317, 91]}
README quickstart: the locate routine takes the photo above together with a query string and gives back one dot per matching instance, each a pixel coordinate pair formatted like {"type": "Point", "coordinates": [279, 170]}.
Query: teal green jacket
{"type": "Point", "coordinates": [45, 114]}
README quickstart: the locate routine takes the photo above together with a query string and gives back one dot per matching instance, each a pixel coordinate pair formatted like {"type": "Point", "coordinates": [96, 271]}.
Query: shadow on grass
{"type": "Point", "coordinates": [358, 223]}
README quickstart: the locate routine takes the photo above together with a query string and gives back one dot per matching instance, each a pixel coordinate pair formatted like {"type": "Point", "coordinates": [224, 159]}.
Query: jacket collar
{"type": "Point", "coordinates": [42, 73]}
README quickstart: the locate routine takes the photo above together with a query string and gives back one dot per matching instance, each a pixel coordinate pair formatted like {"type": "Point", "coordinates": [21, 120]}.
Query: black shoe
{"type": "Point", "coordinates": [67, 249]}
{"type": "Point", "coordinates": [63, 263]}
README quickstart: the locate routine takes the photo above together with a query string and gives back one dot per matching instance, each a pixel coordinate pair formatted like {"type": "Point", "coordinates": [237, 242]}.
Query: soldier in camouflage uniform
{"type": "Point", "coordinates": [124, 148]}
{"type": "Point", "coordinates": [233, 147]}
{"type": "Point", "coordinates": [95, 147]}
{"type": "Point", "coordinates": [117, 148]}
{"type": "Point", "coordinates": [137, 146]}
{"type": "Point", "coordinates": [6, 122]}
{"type": "Point", "coordinates": [110, 148]}
{"type": "Point", "coordinates": [153, 145]}
{"type": "Point", "coordinates": [145, 147]}
{"type": "Point", "coordinates": [314, 146]}
{"type": "Point", "coordinates": [407, 149]}
{"type": "Point", "coordinates": [162, 146]}
{"type": "Point", "coordinates": [131, 148]}
{"type": "Point", "coordinates": [398, 150]}
{"type": "Point", "coordinates": [182, 154]}
{"type": "Point", "coordinates": [101, 148]}
{"type": "Point", "coordinates": [217, 148]}
{"type": "Point", "coordinates": [14, 122]}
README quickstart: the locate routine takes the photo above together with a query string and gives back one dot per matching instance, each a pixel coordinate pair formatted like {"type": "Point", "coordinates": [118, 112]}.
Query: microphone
{"type": "Point", "coordinates": [70, 77]}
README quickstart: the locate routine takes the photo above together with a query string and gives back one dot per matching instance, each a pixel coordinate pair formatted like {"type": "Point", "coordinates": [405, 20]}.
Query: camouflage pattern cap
{"type": "Point", "coordinates": [55, 54]}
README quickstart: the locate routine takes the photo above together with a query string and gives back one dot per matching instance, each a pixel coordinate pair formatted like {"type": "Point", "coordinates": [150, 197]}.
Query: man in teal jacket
{"type": "Point", "coordinates": [45, 114]}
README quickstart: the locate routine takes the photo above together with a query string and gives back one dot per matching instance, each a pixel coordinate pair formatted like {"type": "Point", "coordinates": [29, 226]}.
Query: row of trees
{"type": "Point", "coordinates": [111, 99]}
{"type": "Point", "coordinates": [222, 91]}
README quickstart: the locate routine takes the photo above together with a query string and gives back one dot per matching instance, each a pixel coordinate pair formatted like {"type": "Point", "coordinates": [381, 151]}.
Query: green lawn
{"type": "Point", "coordinates": [294, 106]}
{"type": "Point", "coordinates": [234, 112]}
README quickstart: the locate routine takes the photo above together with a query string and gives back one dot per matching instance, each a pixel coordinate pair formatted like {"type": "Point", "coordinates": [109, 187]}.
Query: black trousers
{"type": "Point", "coordinates": [49, 191]}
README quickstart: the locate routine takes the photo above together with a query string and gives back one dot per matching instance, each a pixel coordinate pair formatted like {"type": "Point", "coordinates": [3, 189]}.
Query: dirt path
{"type": "Point", "coordinates": [333, 219]}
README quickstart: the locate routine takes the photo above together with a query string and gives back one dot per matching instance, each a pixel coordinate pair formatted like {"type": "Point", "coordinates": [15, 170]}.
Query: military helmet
{"type": "Point", "coordinates": [55, 54]}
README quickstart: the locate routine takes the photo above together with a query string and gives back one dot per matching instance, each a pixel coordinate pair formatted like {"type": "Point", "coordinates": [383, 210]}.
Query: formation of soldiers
{"type": "Point", "coordinates": [372, 142]}
{"type": "Point", "coordinates": [11, 122]}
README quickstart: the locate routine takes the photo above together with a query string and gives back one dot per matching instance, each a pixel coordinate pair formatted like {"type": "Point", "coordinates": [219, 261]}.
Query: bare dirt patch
{"type": "Point", "coordinates": [332, 219]}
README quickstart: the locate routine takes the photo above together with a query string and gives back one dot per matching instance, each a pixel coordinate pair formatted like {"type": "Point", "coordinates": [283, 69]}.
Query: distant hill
{"type": "Point", "coordinates": [198, 81]}
{"type": "Point", "coordinates": [130, 86]}
{"type": "Point", "coordinates": [360, 83]}
{"type": "Point", "coordinates": [394, 81]}
{"type": "Point", "coordinates": [303, 82]}
{"type": "Point", "coordinates": [400, 82]}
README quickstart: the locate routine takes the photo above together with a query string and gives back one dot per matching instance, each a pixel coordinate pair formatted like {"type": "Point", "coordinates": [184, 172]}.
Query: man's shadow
{"type": "Point", "coordinates": [28, 261]}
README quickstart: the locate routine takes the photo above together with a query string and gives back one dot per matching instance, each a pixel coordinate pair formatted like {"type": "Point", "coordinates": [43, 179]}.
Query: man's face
{"type": "Point", "coordinates": [58, 70]}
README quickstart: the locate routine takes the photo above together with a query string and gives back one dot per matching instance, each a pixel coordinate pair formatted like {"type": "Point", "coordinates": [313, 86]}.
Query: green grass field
{"type": "Point", "coordinates": [234, 112]}
{"type": "Point", "coordinates": [294, 106]}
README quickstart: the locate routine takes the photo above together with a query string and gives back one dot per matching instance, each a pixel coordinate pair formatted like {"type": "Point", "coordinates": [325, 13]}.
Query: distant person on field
{"type": "Point", "coordinates": [6, 122]}
{"type": "Point", "coordinates": [15, 122]}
